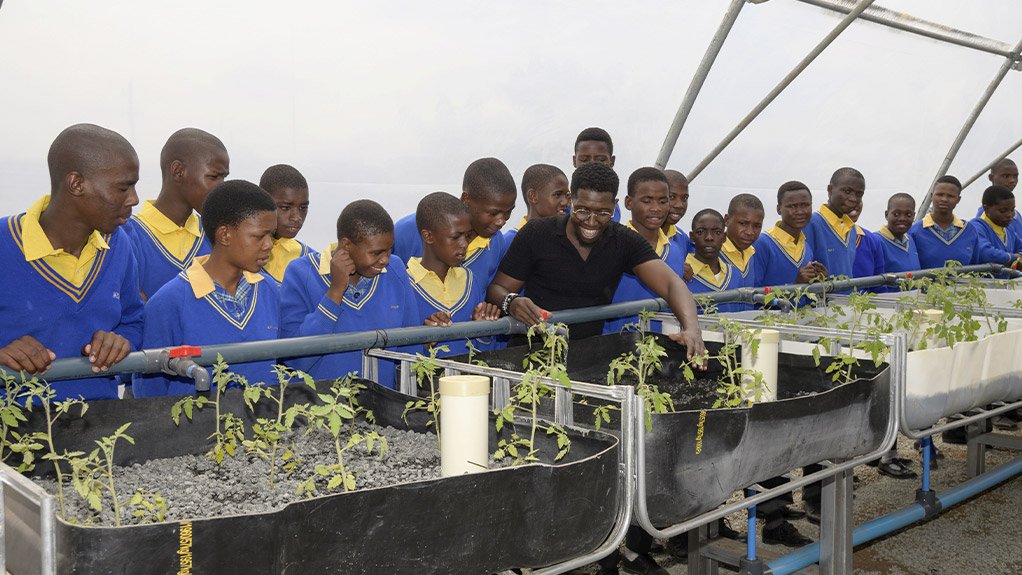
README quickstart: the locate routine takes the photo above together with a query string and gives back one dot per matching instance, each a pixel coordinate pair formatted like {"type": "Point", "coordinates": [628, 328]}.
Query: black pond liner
{"type": "Point", "coordinates": [814, 419]}
{"type": "Point", "coordinates": [529, 516]}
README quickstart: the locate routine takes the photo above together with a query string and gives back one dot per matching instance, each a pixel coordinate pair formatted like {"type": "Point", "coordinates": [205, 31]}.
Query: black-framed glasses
{"type": "Point", "coordinates": [585, 213]}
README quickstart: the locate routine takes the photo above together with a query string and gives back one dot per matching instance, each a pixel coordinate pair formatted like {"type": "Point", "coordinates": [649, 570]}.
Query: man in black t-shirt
{"type": "Point", "coordinates": [577, 260]}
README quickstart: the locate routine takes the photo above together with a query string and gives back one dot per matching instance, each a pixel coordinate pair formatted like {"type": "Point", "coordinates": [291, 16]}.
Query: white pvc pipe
{"type": "Point", "coordinates": [765, 361]}
{"type": "Point", "coordinates": [464, 424]}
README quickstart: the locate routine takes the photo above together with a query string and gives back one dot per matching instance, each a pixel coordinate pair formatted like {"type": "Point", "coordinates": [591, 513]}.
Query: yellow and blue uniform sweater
{"type": "Point", "coordinates": [285, 251]}
{"type": "Point", "coordinates": [680, 239]}
{"type": "Point", "coordinates": [780, 256]}
{"type": "Point", "coordinates": [958, 243]}
{"type": "Point", "coordinates": [483, 255]}
{"type": "Point", "coordinates": [832, 240]}
{"type": "Point", "coordinates": [457, 294]}
{"type": "Point", "coordinates": [383, 302]}
{"type": "Point", "coordinates": [63, 314]}
{"type": "Point", "coordinates": [162, 248]}
{"type": "Point", "coordinates": [632, 289]}
{"type": "Point", "coordinates": [899, 255]}
{"type": "Point", "coordinates": [188, 311]}
{"type": "Point", "coordinates": [1014, 228]}
{"type": "Point", "coordinates": [996, 244]}
{"type": "Point", "coordinates": [705, 281]}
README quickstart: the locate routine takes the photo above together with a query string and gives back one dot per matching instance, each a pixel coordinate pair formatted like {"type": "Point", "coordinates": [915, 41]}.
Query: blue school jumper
{"type": "Point", "coordinates": [704, 281]}
{"type": "Point", "coordinates": [996, 244]}
{"type": "Point", "coordinates": [632, 289]}
{"type": "Point", "coordinates": [458, 295]}
{"type": "Point", "coordinates": [1014, 228]}
{"type": "Point", "coordinates": [869, 254]}
{"type": "Point", "coordinates": [832, 240]}
{"type": "Point", "coordinates": [681, 240]}
{"type": "Point", "coordinates": [156, 263]}
{"type": "Point", "coordinates": [958, 243]}
{"type": "Point", "coordinates": [899, 255]}
{"type": "Point", "coordinates": [482, 257]}
{"type": "Point", "coordinates": [285, 251]}
{"type": "Point", "coordinates": [192, 310]}
{"type": "Point", "coordinates": [781, 256]}
{"type": "Point", "coordinates": [37, 301]}
{"type": "Point", "coordinates": [385, 301]}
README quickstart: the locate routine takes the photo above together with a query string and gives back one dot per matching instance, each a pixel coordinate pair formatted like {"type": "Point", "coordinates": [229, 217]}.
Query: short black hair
{"type": "Point", "coordinates": [282, 176]}
{"type": "Point", "coordinates": [537, 175]}
{"type": "Point", "coordinates": [996, 194]}
{"type": "Point", "coordinates": [188, 144]}
{"type": "Point", "coordinates": [707, 212]}
{"type": "Point", "coordinates": [901, 196]}
{"type": "Point", "coordinates": [231, 203]}
{"type": "Point", "coordinates": [595, 177]}
{"type": "Point", "coordinates": [86, 149]}
{"type": "Point", "coordinates": [647, 174]}
{"type": "Point", "coordinates": [846, 173]}
{"type": "Point", "coordinates": [361, 219]}
{"type": "Point", "coordinates": [433, 210]}
{"type": "Point", "coordinates": [950, 180]}
{"type": "Point", "coordinates": [745, 201]}
{"type": "Point", "coordinates": [487, 177]}
{"type": "Point", "coordinates": [1002, 163]}
{"type": "Point", "coordinates": [792, 186]}
{"type": "Point", "coordinates": [595, 135]}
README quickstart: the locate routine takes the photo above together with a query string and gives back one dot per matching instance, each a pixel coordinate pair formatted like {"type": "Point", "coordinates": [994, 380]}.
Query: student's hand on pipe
{"type": "Point", "coordinates": [821, 270]}
{"type": "Point", "coordinates": [688, 273]}
{"type": "Point", "coordinates": [485, 311]}
{"type": "Point", "coordinates": [525, 311]}
{"type": "Point", "coordinates": [342, 267]}
{"type": "Point", "coordinates": [807, 274]}
{"type": "Point", "coordinates": [26, 354]}
{"type": "Point", "coordinates": [438, 319]}
{"type": "Point", "coordinates": [106, 349]}
{"type": "Point", "coordinates": [692, 339]}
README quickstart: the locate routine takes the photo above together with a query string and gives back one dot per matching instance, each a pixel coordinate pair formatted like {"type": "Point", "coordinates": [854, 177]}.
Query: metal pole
{"type": "Point", "coordinates": [1009, 61]}
{"type": "Point", "coordinates": [908, 23]}
{"type": "Point", "coordinates": [697, 81]}
{"type": "Point", "coordinates": [799, 68]}
{"type": "Point", "coordinates": [991, 165]}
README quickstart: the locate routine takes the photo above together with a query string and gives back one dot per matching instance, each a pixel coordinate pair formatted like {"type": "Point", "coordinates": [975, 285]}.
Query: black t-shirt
{"type": "Point", "coordinates": [555, 275]}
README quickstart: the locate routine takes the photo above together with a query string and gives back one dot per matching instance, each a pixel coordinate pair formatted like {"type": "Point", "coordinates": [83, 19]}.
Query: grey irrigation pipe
{"type": "Point", "coordinates": [784, 83]}
{"type": "Point", "coordinates": [697, 81]}
{"type": "Point", "coordinates": [1010, 61]}
{"type": "Point", "coordinates": [908, 23]}
{"type": "Point", "coordinates": [990, 166]}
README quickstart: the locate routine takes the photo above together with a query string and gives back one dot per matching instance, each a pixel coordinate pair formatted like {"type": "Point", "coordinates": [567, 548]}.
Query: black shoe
{"type": "Point", "coordinates": [954, 436]}
{"type": "Point", "coordinates": [643, 565]}
{"type": "Point", "coordinates": [1015, 415]}
{"type": "Point", "coordinates": [813, 515]}
{"type": "Point", "coordinates": [677, 546]}
{"type": "Point", "coordinates": [895, 469]}
{"type": "Point", "coordinates": [724, 530]}
{"type": "Point", "coordinates": [785, 534]}
{"type": "Point", "coordinates": [1004, 423]}
{"type": "Point", "coordinates": [790, 512]}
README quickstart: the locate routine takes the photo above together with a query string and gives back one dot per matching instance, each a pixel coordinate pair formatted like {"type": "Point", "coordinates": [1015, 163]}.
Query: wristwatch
{"type": "Point", "coordinates": [506, 305]}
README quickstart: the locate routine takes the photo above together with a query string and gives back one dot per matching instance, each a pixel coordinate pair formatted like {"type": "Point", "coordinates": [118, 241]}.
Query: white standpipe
{"type": "Point", "coordinates": [464, 424]}
{"type": "Point", "coordinates": [765, 361]}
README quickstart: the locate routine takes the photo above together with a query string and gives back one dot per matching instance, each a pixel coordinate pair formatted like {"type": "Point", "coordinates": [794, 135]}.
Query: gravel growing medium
{"type": "Point", "coordinates": [195, 486]}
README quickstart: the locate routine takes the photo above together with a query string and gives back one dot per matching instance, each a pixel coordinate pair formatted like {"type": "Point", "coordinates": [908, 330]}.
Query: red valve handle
{"type": "Point", "coordinates": [185, 351]}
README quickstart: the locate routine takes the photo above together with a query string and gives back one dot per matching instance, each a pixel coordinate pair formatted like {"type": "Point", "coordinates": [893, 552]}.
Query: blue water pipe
{"type": "Point", "coordinates": [892, 522]}
{"type": "Point", "coordinates": [751, 539]}
{"type": "Point", "coordinates": [926, 444]}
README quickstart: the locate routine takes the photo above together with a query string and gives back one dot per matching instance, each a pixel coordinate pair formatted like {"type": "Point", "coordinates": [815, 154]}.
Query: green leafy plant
{"type": "Point", "coordinates": [425, 368]}
{"type": "Point", "coordinates": [739, 386]}
{"type": "Point", "coordinates": [473, 351]}
{"type": "Point", "coordinates": [41, 392]}
{"type": "Point", "coordinates": [12, 415]}
{"type": "Point", "coordinates": [643, 362]}
{"type": "Point", "coordinates": [267, 432]}
{"type": "Point", "coordinates": [230, 429]}
{"type": "Point", "coordinates": [93, 475]}
{"type": "Point", "coordinates": [148, 507]}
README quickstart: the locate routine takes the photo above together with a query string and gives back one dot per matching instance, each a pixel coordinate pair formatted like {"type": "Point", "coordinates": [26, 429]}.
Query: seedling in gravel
{"type": "Point", "coordinates": [267, 432]}
{"type": "Point", "coordinates": [52, 410]}
{"type": "Point", "coordinates": [148, 507]}
{"type": "Point", "coordinates": [12, 415]}
{"type": "Point", "coordinates": [473, 351]}
{"type": "Point", "coordinates": [230, 429]}
{"type": "Point", "coordinates": [739, 386]}
{"type": "Point", "coordinates": [642, 363]}
{"type": "Point", "coordinates": [547, 362]}
{"type": "Point", "coordinates": [93, 474]}
{"type": "Point", "coordinates": [338, 406]}
{"type": "Point", "coordinates": [425, 368]}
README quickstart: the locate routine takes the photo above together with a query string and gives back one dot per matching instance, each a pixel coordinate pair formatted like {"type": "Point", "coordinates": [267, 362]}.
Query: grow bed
{"type": "Point", "coordinates": [696, 458]}
{"type": "Point", "coordinates": [527, 516]}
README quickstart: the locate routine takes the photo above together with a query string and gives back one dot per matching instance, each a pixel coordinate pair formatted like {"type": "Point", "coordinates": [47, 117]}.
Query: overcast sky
{"type": "Point", "coordinates": [391, 100]}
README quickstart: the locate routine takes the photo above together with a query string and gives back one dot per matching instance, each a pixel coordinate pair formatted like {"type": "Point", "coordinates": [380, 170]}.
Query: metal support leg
{"type": "Point", "coordinates": [836, 525]}
{"type": "Point", "coordinates": [698, 562]}
{"type": "Point", "coordinates": [976, 450]}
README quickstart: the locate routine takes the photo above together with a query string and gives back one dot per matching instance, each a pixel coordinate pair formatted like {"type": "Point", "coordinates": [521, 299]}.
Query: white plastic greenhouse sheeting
{"type": "Point", "coordinates": [1009, 296]}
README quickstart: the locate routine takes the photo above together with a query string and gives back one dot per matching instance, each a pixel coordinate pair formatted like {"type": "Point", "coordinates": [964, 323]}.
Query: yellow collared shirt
{"type": "Point", "coordinates": [284, 251]}
{"type": "Point", "coordinates": [928, 222]}
{"type": "Point", "coordinates": [794, 247]}
{"type": "Point", "coordinates": [202, 284]}
{"type": "Point", "coordinates": [661, 238]}
{"type": "Point", "coordinates": [177, 240]}
{"type": "Point", "coordinates": [36, 246]}
{"type": "Point", "coordinates": [447, 291]}
{"type": "Point", "coordinates": [522, 222]}
{"type": "Point", "coordinates": [477, 243]}
{"type": "Point", "coordinates": [704, 271]}
{"type": "Point", "coordinates": [1001, 233]}
{"type": "Point", "coordinates": [738, 257]}
{"type": "Point", "coordinates": [841, 225]}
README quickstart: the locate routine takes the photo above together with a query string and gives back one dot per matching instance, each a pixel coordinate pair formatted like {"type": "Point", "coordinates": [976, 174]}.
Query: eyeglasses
{"type": "Point", "coordinates": [584, 213]}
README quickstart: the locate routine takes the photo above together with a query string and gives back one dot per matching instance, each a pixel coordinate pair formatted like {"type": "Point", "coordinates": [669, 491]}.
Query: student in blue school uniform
{"type": "Point", "coordinates": [488, 191]}
{"type": "Point", "coordinates": [594, 145]}
{"type": "Point", "coordinates": [545, 192]}
{"type": "Point", "coordinates": [1005, 173]}
{"type": "Point", "coordinates": [221, 298]}
{"type": "Point", "coordinates": [290, 191]}
{"type": "Point", "coordinates": [831, 233]}
{"type": "Point", "coordinates": [869, 255]}
{"type": "Point", "coordinates": [648, 200]}
{"type": "Point", "coordinates": [71, 283]}
{"type": "Point", "coordinates": [783, 253]}
{"type": "Point", "coordinates": [941, 236]}
{"type": "Point", "coordinates": [899, 249]}
{"type": "Point", "coordinates": [445, 291]}
{"type": "Point", "coordinates": [353, 285]}
{"type": "Point", "coordinates": [996, 245]}
{"type": "Point", "coordinates": [166, 232]}
{"type": "Point", "coordinates": [679, 205]}
{"type": "Point", "coordinates": [710, 271]}
{"type": "Point", "coordinates": [743, 223]}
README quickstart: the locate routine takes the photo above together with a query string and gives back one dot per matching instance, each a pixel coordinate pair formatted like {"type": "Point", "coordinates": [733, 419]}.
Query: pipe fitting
{"type": "Point", "coordinates": [929, 502]}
